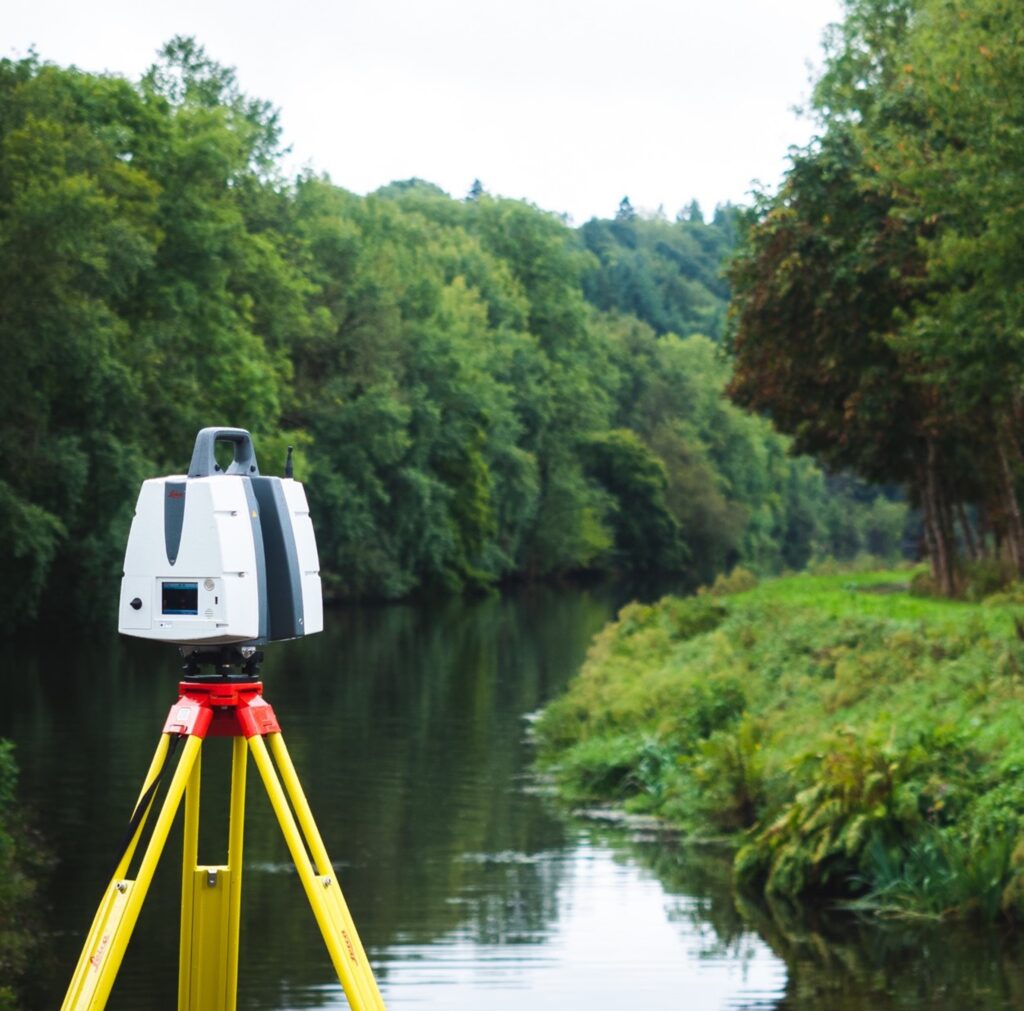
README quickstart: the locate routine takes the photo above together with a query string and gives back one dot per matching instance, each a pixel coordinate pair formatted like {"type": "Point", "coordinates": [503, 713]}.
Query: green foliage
{"type": "Point", "coordinates": [866, 791]}
{"type": "Point", "coordinates": [668, 274]}
{"type": "Point", "coordinates": [878, 293]}
{"type": "Point", "coordinates": [31, 537]}
{"type": "Point", "coordinates": [129, 321]}
{"type": "Point", "coordinates": [923, 584]}
{"type": "Point", "coordinates": [21, 862]}
{"type": "Point", "coordinates": [646, 533]}
{"type": "Point", "coordinates": [617, 768]}
{"type": "Point", "coordinates": [729, 772]}
{"type": "Point", "coordinates": [863, 740]}
{"type": "Point", "coordinates": [824, 267]}
{"type": "Point", "coordinates": [984, 577]}
{"type": "Point", "coordinates": [1009, 594]}
{"type": "Point", "coordinates": [604, 696]}
{"type": "Point", "coordinates": [737, 581]}
{"type": "Point", "coordinates": [463, 413]}
{"type": "Point", "coordinates": [942, 875]}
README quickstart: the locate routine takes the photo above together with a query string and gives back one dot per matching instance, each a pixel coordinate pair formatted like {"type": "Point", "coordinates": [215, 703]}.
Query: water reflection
{"type": "Point", "coordinates": [853, 965]}
{"type": "Point", "coordinates": [610, 943]}
{"type": "Point", "coordinates": [470, 891]}
{"type": "Point", "coordinates": [835, 960]}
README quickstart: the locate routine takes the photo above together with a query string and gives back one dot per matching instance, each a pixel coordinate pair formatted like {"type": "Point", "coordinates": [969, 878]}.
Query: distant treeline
{"type": "Point", "coordinates": [476, 391]}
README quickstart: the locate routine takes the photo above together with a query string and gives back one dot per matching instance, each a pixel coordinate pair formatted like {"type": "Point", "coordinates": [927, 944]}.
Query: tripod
{"type": "Point", "coordinates": [211, 896]}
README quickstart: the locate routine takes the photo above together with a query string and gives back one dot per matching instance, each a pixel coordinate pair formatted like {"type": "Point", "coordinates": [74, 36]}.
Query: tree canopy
{"type": "Point", "coordinates": [476, 391]}
{"type": "Point", "coordinates": [878, 295]}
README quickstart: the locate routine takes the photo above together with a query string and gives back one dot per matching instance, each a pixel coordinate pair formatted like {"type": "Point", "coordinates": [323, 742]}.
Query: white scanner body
{"type": "Point", "coordinates": [221, 557]}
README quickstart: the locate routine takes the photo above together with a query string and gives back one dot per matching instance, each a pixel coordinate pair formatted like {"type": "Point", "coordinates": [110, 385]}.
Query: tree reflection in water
{"type": "Point", "coordinates": [838, 960]}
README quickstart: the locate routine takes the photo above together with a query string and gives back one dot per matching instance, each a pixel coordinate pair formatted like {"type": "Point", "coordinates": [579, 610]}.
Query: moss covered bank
{"type": "Point", "coordinates": [851, 739]}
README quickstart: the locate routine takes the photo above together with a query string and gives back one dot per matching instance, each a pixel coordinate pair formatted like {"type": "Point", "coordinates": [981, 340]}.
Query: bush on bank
{"type": "Point", "coordinates": [853, 740]}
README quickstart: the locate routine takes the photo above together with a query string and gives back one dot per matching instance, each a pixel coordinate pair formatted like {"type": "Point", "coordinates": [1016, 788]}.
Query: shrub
{"type": "Point", "coordinates": [864, 792]}
{"type": "Point", "coordinates": [737, 581]}
{"type": "Point", "coordinates": [1011, 593]}
{"type": "Point", "coordinates": [826, 566]}
{"type": "Point", "coordinates": [986, 576]}
{"type": "Point", "coordinates": [944, 874]}
{"type": "Point", "coordinates": [923, 584]}
{"type": "Point", "coordinates": [999, 811]}
{"type": "Point", "coordinates": [730, 771]}
{"type": "Point", "coordinates": [685, 618]}
{"type": "Point", "coordinates": [614, 768]}
{"type": "Point", "coordinates": [707, 706]}
{"type": "Point", "coordinates": [614, 694]}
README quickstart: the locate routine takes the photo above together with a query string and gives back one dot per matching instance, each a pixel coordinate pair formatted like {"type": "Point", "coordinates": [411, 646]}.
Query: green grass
{"type": "Point", "coordinates": [849, 735]}
{"type": "Point", "coordinates": [868, 594]}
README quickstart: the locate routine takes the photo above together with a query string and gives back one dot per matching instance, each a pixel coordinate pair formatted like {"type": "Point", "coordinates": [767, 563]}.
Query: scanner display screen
{"type": "Point", "coordinates": [179, 598]}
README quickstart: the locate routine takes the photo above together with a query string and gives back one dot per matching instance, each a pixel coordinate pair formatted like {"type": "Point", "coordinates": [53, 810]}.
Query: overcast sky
{"type": "Point", "coordinates": [570, 104]}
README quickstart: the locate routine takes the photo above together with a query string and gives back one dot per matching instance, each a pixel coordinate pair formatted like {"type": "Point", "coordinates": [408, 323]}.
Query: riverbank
{"type": "Point", "coordinates": [850, 739]}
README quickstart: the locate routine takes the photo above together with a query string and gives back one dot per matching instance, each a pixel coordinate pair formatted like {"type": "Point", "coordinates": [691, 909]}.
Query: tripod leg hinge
{"type": "Point", "coordinates": [221, 710]}
{"type": "Point", "coordinates": [188, 717]}
{"type": "Point", "coordinates": [257, 718]}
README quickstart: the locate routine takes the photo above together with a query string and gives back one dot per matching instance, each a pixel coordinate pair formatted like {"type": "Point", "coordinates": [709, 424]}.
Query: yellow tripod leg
{"type": "Point", "coordinates": [322, 891]}
{"type": "Point", "coordinates": [236, 835]}
{"type": "Point", "coordinates": [121, 904]}
{"type": "Point", "coordinates": [102, 912]}
{"type": "Point", "coordinates": [211, 901]}
{"type": "Point", "coordinates": [190, 857]}
{"type": "Point", "coordinates": [339, 908]}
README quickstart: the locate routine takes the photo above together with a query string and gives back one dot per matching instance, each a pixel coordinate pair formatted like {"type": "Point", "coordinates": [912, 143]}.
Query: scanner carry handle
{"type": "Point", "coordinates": [204, 459]}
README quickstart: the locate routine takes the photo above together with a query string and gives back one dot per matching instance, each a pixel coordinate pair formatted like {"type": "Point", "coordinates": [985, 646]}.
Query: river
{"type": "Point", "coordinates": [472, 890]}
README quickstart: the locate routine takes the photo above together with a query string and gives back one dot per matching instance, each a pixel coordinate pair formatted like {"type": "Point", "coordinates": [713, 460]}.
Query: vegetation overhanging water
{"type": "Point", "coordinates": [855, 741]}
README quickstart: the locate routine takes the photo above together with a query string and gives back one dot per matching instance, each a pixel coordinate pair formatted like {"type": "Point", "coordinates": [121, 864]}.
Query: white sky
{"type": "Point", "coordinates": [570, 104]}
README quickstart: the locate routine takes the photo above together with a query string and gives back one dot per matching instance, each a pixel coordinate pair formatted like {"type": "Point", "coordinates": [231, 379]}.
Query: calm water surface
{"type": "Point", "coordinates": [470, 890]}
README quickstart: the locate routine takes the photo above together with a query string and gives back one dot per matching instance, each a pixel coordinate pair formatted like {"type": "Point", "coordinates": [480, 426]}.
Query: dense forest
{"type": "Point", "coordinates": [476, 390]}
{"type": "Point", "coordinates": [879, 301]}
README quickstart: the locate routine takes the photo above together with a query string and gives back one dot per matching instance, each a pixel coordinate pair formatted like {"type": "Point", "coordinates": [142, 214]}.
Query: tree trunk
{"type": "Point", "coordinates": [985, 530]}
{"type": "Point", "coordinates": [937, 518]}
{"type": "Point", "coordinates": [947, 519]}
{"type": "Point", "coordinates": [1011, 505]}
{"type": "Point", "coordinates": [969, 540]}
{"type": "Point", "coordinates": [930, 549]}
